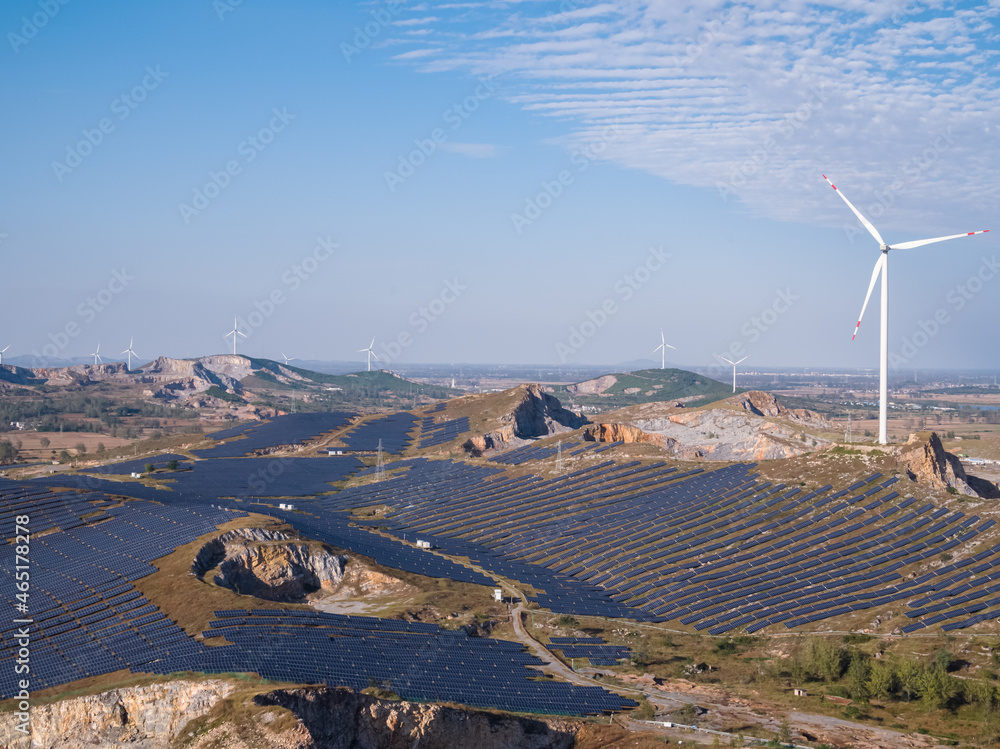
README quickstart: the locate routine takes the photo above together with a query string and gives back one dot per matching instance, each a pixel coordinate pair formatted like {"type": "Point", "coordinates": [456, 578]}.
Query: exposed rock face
{"type": "Point", "coordinates": [341, 719]}
{"type": "Point", "coordinates": [620, 433]}
{"type": "Point", "coordinates": [269, 565]}
{"type": "Point", "coordinates": [927, 462]}
{"type": "Point", "coordinates": [536, 414]}
{"type": "Point", "coordinates": [148, 717]}
{"type": "Point", "coordinates": [715, 434]}
{"type": "Point", "coordinates": [764, 404]}
{"type": "Point", "coordinates": [592, 387]}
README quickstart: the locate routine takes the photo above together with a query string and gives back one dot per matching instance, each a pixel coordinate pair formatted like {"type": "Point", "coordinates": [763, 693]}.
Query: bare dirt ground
{"type": "Point", "coordinates": [722, 709]}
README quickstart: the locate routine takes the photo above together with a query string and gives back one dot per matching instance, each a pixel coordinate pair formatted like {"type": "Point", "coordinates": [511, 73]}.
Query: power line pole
{"type": "Point", "coordinates": [379, 464]}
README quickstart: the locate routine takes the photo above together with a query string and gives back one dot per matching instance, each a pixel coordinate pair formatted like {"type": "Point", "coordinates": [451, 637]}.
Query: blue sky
{"type": "Point", "coordinates": [522, 182]}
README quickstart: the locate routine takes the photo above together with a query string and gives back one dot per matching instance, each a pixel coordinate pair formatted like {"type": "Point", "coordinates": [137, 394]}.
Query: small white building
{"type": "Point", "coordinates": [335, 451]}
{"type": "Point", "coordinates": [498, 594]}
{"type": "Point", "coordinates": [423, 544]}
{"type": "Point", "coordinates": [283, 506]}
{"type": "Point", "coordinates": [136, 475]}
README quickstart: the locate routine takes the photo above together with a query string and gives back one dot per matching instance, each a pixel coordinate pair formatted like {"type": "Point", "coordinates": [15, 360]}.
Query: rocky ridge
{"type": "Point", "coordinates": [535, 414]}
{"type": "Point", "coordinates": [269, 565]}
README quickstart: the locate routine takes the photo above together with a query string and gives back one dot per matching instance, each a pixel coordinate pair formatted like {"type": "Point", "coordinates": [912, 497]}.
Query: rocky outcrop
{"type": "Point", "coordinates": [147, 717]}
{"type": "Point", "coordinates": [535, 414]}
{"type": "Point", "coordinates": [620, 433]}
{"type": "Point", "coordinates": [927, 462]}
{"type": "Point", "coordinates": [269, 565]}
{"type": "Point", "coordinates": [713, 434]}
{"type": "Point", "coordinates": [764, 404]}
{"type": "Point", "coordinates": [592, 387]}
{"type": "Point", "coordinates": [342, 719]}
{"type": "Point", "coordinates": [160, 716]}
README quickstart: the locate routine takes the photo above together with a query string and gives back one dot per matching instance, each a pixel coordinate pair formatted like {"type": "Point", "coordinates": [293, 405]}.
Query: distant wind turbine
{"type": "Point", "coordinates": [370, 353]}
{"type": "Point", "coordinates": [130, 353]}
{"type": "Point", "coordinates": [734, 363]}
{"type": "Point", "coordinates": [662, 348]}
{"type": "Point", "coordinates": [97, 354]}
{"type": "Point", "coordinates": [882, 267]}
{"type": "Point", "coordinates": [288, 358]}
{"type": "Point", "coordinates": [1, 353]}
{"type": "Point", "coordinates": [235, 333]}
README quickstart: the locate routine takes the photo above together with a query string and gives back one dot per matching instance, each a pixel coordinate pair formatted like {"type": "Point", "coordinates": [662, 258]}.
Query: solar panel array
{"type": "Point", "coordinates": [206, 480]}
{"type": "Point", "coordinates": [593, 649]}
{"type": "Point", "coordinates": [89, 620]}
{"type": "Point", "coordinates": [437, 433]}
{"type": "Point", "coordinates": [88, 617]}
{"type": "Point", "coordinates": [139, 464]}
{"type": "Point", "coordinates": [392, 431]}
{"type": "Point", "coordinates": [289, 429]}
{"type": "Point", "coordinates": [539, 452]}
{"type": "Point", "coordinates": [716, 550]}
{"type": "Point", "coordinates": [419, 661]}
{"type": "Point", "coordinates": [720, 551]}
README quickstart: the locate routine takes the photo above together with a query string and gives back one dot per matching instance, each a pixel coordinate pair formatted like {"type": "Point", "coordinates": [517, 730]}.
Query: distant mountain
{"type": "Point", "coordinates": [644, 386]}
{"type": "Point", "coordinates": [223, 380]}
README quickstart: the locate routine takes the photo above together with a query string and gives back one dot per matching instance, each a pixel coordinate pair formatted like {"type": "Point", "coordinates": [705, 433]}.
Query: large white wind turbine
{"type": "Point", "coordinates": [288, 358]}
{"type": "Point", "coordinates": [662, 348]}
{"type": "Point", "coordinates": [882, 267]}
{"type": "Point", "coordinates": [97, 354]}
{"type": "Point", "coordinates": [1, 352]}
{"type": "Point", "coordinates": [130, 353]}
{"type": "Point", "coordinates": [370, 353]}
{"type": "Point", "coordinates": [734, 363]}
{"type": "Point", "coordinates": [235, 333]}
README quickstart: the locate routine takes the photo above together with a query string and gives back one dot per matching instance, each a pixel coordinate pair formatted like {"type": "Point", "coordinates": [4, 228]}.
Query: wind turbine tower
{"type": "Point", "coordinates": [882, 269]}
{"type": "Point", "coordinates": [131, 353]}
{"type": "Point", "coordinates": [734, 363]}
{"type": "Point", "coordinates": [662, 348]}
{"type": "Point", "coordinates": [235, 333]}
{"type": "Point", "coordinates": [1, 353]}
{"type": "Point", "coordinates": [370, 353]}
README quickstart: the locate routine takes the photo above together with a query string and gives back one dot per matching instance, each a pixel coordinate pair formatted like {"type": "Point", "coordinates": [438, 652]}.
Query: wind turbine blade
{"type": "Point", "coordinates": [374, 354]}
{"type": "Point", "coordinates": [871, 229]}
{"type": "Point", "coordinates": [669, 346]}
{"type": "Point", "coordinates": [7, 347]}
{"type": "Point", "coordinates": [871, 286]}
{"type": "Point", "coordinates": [242, 334]}
{"type": "Point", "coordinates": [656, 349]}
{"type": "Point", "coordinates": [922, 242]}
{"type": "Point", "coordinates": [726, 360]}
{"type": "Point", "coordinates": [372, 343]}
{"type": "Point", "coordinates": [743, 359]}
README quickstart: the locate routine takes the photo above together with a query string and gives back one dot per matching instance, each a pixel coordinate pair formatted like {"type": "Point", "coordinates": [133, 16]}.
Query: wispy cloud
{"type": "Point", "coordinates": [755, 101]}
